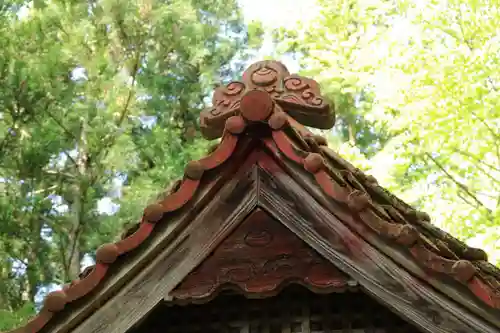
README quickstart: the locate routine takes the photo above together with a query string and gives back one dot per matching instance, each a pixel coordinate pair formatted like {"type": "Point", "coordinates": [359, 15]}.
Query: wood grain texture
{"type": "Point", "coordinates": [259, 259]}
{"type": "Point", "coordinates": [163, 234]}
{"type": "Point", "coordinates": [399, 254]}
{"type": "Point", "coordinates": [377, 274]}
{"type": "Point", "coordinates": [192, 244]}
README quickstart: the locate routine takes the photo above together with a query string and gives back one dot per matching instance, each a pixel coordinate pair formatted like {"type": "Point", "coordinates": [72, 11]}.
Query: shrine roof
{"type": "Point", "coordinates": [272, 107]}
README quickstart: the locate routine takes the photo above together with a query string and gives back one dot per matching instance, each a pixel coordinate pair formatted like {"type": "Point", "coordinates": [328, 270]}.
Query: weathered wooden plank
{"type": "Point", "coordinates": [134, 263]}
{"type": "Point", "coordinates": [382, 278]}
{"type": "Point", "coordinates": [457, 292]}
{"type": "Point", "coordinates": [231, 205]}
{"type": "Point", "coordinates": [244, 260]}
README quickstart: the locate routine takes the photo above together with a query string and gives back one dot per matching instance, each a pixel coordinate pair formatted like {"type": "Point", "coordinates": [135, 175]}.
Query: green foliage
{"type": "Point", "coordinates": [416, 91]}
{"type": "Point", "coordinates": [9, 319]}
{"type": "Point", "coordinates": [98, 101]}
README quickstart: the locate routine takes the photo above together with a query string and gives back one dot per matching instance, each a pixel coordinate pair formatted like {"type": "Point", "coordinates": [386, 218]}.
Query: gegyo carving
{"type": "Point", "coordinates": [298, 96]}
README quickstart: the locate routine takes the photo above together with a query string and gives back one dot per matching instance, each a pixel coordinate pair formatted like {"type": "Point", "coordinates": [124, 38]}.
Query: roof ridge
{"type": "Point", "coordinates": [399, 230]}
{"type": "Point", "coordinates": [108, 253]}
{"type": "Point", "coordinates": [397, 209]}
{"type": "Point", "coordinates": [257, 106]}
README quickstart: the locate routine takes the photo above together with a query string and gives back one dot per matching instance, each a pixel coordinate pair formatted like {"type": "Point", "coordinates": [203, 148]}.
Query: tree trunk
{"type": "Point", "coordinates": [33, 268]}
{"type": "Point", "coordinates": [77, 209]}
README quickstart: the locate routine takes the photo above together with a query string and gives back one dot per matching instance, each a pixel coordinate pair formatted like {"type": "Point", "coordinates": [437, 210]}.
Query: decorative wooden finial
{"type": "Point", "coordinates": [265, 87]}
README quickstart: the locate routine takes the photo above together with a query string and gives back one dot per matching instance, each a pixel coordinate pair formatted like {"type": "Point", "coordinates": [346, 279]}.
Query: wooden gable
{"type": "Point", "coordinates": [271, 206]}
{"type": "Point", "coordinates": [259, 258]}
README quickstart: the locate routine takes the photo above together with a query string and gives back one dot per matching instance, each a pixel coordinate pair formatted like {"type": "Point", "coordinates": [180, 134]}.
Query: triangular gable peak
{"type": "Point", "coordinates": [258, 259]}
{"type": "Point", "coordinates": [268, 166]}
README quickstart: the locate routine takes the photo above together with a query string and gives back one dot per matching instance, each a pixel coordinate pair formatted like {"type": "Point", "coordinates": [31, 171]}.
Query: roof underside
{"type": "Point", "coordinates": [393, 251]}
{"type": "Point", "coordinates": [294, 309]}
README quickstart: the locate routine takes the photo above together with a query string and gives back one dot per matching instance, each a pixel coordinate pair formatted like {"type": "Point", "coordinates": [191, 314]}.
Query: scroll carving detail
{"type": "Point", "coordinates": [298, 96]}
{"type": "Point", "coordinates": [258, 258]}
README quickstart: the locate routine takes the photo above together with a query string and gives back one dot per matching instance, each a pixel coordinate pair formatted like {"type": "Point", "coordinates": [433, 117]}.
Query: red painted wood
{"type": "Point", "coordinates": [256, 105]}
{"type": "Point", "coordinates": [263, 84]}
{"type": "Point", "coordinates": [258, 258]}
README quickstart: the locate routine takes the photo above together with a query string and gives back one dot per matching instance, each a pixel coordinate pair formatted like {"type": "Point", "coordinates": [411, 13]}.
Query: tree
{"type": "Point", "coordinates": [416, 91]}
{"type": "Point", "coordinates": [96, 98]}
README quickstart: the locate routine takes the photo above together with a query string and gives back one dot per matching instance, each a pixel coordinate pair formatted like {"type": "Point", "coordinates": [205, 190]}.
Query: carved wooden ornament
{"type": "Point", "coordinates": [262, 255]}
{"type": "Point", "coordinates": [258, 259]}
{"type": "Point", "coordinates": [267, 87]}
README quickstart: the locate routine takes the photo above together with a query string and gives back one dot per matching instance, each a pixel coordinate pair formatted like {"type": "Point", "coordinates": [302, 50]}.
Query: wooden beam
{"type": "Point", "coordinates": [450, 288]}
{"type": "Point", "coordinates": [382, 278]}
{"type": "Point", "coordinates": [133, 302]}
{"type": "Point", "coordinates": [134, 262]}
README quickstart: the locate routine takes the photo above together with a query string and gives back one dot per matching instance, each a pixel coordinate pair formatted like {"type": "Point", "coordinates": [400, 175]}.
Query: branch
{"type": "Point", "coordinates": [112, 139]}
{"type": "Point", "coordinates": [130, 93]}
{"type": "Point", "coordinates": [459, 184]}
{"type": "Point", "coordinates": [467, 201]}
{"type": "Point", "coordinates": [58, 173]}
{"type": "Point", "coordinates": [62, 253]}
{"type": "Point", "coordinates": [485, 123]}
{"type": "Point", "coordinates": [14, 116]}
{"type": "Point", "coordinates": [475, 158]}
{"type": "Point", "coordinates": [494, 133]}
{"type": "Point", "coordinates": [48, 173]}
{"type": "Point", "coordinates": [479, 167]}
{"type": "Point", "coordinates": [489, 195]}
{"type": "Point", "coordinates": [7, 137]}
{"type": "Point", "coordinates": [467, 42]}
{"type": "Point", "coordinates": [53, 187]}
{"type": "Point", "coordinates": [487, 174]}
{"type": "Point", "coordinates": [61, 27]}
{"type": "Point", "coordinates": [59, 123]}
{"type": "Point", "coordinates": [493, 85]}
{"type": "Point", "coordinates": [67, 132]}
